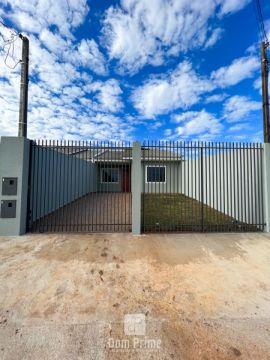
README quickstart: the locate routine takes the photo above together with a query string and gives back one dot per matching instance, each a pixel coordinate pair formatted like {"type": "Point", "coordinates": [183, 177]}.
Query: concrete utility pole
{"type": "Point", "coordinates": [265, 96]}
{"type": "Point", "coordinates": [22, 128]}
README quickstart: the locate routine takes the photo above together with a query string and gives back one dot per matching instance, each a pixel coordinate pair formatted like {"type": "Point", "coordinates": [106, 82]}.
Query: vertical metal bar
{"type": "Point", "coordinates": [53, 195]}
{"type": "Point", "coordinates": [202, 189]}
{"type": "Point", "coordinates": [95, 178]}
{"type": "Point", "coordinates": [205, 182]}
{"type": "Point", "coordinates": [253, 205]}
{"type": "Point", "coordinates": [143, 186]}
{"type": "Point", "coordinates": [80, 184]}
{"type": "Point", "coordinates": [74, 174]}
{"type": "Point", "coordinates": [260, 217]}
{"type": "Point", "coordinates": [39, 192]}
{"type": "Point", "coordinates": [230, 180]}
{"type": "Point", "coordinates": [64, 179]}
{"type": "Point", "coordinates": [35, 171]}
{"type": "Point", "coordinates": [209, 181]}
{"type": "Point", "coordinates": [47, 184]}
{"type": "Point", "coordinates": [261, 186]}
{"type": "Point", "coordinates": [42, 188]}
{"type": "Point", "coordinates": [90, 184]}
{"type": "Point", "coordinates": [249, 183]}
{"type": "Point", "coordinates": [227, 185]}
{"type": "Point", "coordinates": [235, 186]}
{"type": "Point", "coordinates": [243, 177]}
{"type": "Point", "coordinates": [223, 225]}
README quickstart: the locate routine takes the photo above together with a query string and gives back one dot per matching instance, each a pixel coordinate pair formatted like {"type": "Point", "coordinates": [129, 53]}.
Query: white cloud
{"type": "Point", "coordinates": [35, 15]}
{"type": "Point", "coordinates": [107, 94]}
{"type": "Point", "coordinates": [231, 6]}
{"type": "Point", "coordinates": [215, 36]}
{"type": "Point", "coordinates": [240, 127]}
{"type": "Point", "coordinates": [239, 108]}
{"type": "Point", "coordinates": [90, 56]}
{"type": "Point", "coordinates": [238, 70]}
{"type": "Point", "coordinates": [215, 98]}
{"type": "Point", "coordinates": [55, 106]}
{"type": "Point", "coordinates": [86, 53]}
{"type": "Point", "coordinates": [197, 123]}
{"type": "Point", "coordinates": [143, 32]}
{"type": "Point", "coordinates": [181, 88]}
{"type": "Point", "coordinates": [54, 42]}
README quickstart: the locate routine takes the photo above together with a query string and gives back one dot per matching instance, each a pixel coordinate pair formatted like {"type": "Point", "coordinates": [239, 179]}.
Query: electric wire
{"type": "Point", "coordinates": [9, 44]}
{"type": "Point", "coordinates": [260, 21]}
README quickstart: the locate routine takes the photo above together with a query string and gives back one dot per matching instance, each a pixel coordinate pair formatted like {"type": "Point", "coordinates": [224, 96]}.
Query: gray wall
{"type": "Point", "coordinates": [173, 178]}
{"type": "Point", "coordinates": [58, 179]}
{"type": "Point", "coordinates": [107, 187]}
{"type": "Point", "coordinates": [231, 183]}
{"type": "Point", "coordinates": [14, 162]}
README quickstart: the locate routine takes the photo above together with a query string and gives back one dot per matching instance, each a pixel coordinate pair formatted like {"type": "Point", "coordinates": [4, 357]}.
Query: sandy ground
{"type": "Point", "coordinates": [204, 296]}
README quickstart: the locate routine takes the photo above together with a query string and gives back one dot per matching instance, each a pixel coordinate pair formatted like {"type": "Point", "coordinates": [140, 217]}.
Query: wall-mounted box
{"type": "Point", "coordinates": [9, 185]}
{"type": "Point", "coordinates": [8, 209]}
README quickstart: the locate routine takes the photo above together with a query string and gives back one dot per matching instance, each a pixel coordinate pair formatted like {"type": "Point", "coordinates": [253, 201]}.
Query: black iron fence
{"type": "Point", "coordinates": [198, 186]}
{"type": "Point", "coordinates": [79, 186]}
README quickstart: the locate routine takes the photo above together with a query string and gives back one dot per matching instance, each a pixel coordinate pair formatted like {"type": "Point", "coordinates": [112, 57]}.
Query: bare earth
{"type": "Point", "coordinates": [205, 296]}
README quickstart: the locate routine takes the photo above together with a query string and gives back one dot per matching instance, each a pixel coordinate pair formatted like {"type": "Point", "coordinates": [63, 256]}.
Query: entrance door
{"type": "Point", "coordinates": [126, 184]}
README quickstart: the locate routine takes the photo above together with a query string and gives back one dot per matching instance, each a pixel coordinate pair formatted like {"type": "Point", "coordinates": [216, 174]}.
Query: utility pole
{"type": "Point", "coordinates": [22, 128]}
{"type": "Point", "coordinates": [265, 96]}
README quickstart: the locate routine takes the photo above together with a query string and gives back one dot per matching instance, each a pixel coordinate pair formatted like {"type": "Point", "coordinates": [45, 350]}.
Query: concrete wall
{"type": "Point", "coordinates": [58, 179]}
{"type": "Point", "coordinates": [14, 162]}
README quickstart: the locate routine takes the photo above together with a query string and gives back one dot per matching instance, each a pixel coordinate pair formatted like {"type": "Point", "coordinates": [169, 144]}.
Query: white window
{"type": "Point", "coordinates": [110, 175]}
{"type": "Point", "coordinates": [155, 174]}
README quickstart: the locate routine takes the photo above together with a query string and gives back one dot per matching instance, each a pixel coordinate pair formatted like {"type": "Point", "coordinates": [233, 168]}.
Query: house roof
{"type": "Point", "coordinates": [117, 154]}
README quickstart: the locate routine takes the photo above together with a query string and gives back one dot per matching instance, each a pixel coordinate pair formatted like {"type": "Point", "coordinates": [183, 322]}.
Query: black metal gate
{"type": "Point", "coordinates": [79, 186]}
{"type": "Point", "coordinates": [198, 186]}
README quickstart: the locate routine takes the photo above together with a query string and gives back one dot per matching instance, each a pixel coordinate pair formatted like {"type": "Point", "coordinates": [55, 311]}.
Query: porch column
{"type": "Point", "coordinates": [14, 170]}
{"type": "Point", "coordinates": [136, 187]}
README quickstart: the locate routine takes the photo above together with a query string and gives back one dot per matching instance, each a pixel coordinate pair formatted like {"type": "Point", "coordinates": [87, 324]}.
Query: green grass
{"type": "Point", "coordinates": [177, 212]}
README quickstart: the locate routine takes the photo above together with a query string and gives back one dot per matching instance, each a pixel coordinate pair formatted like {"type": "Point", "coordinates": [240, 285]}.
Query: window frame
{"type": "Point", "coordinates": [155, 182]}
{"type": "Point", "coordinates": [110, 182]}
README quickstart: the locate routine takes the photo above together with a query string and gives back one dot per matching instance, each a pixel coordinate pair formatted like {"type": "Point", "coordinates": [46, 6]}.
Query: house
{"type": "Point", "coordinates": [161, 168]}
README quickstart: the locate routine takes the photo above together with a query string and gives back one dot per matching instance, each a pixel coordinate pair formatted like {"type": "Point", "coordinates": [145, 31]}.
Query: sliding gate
{"type": "Point", "coordinates": [79, 187]}
{"type": "Point", "coordinates": [195, 186]}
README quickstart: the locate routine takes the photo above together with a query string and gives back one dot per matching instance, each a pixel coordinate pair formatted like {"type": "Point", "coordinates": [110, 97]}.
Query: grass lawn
{"type": "Point", "coordinates": [177, 212]}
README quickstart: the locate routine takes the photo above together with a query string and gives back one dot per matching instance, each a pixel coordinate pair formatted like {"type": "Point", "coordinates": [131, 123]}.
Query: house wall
{"type": "Point", "coordinates": [58, 179]}
{"type": "Point", "coordinates": [173, 178]}
{"type": "Point", "coordinates": [109, 187]}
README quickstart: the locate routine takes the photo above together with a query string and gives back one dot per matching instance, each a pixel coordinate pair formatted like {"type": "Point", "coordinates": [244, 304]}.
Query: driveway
{"type": "Point", "coordinates": [196, 296]}
{"type": "Point", "coordinates": [95, 212]}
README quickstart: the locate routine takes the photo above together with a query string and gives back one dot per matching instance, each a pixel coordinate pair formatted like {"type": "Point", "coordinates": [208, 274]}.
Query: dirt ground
{"type": "Point", "coordinates": [204, 296]}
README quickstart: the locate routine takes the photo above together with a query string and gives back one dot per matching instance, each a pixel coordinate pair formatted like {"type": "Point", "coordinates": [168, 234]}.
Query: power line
{"type": "Point", "coordinates": [9, 44]}
{"type": "Point", "coordinates": [260, 21]}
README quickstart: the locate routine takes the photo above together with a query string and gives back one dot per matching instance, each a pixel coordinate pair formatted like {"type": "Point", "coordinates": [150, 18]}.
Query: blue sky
{"type": "Point", "coordinates": [135, 69]}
